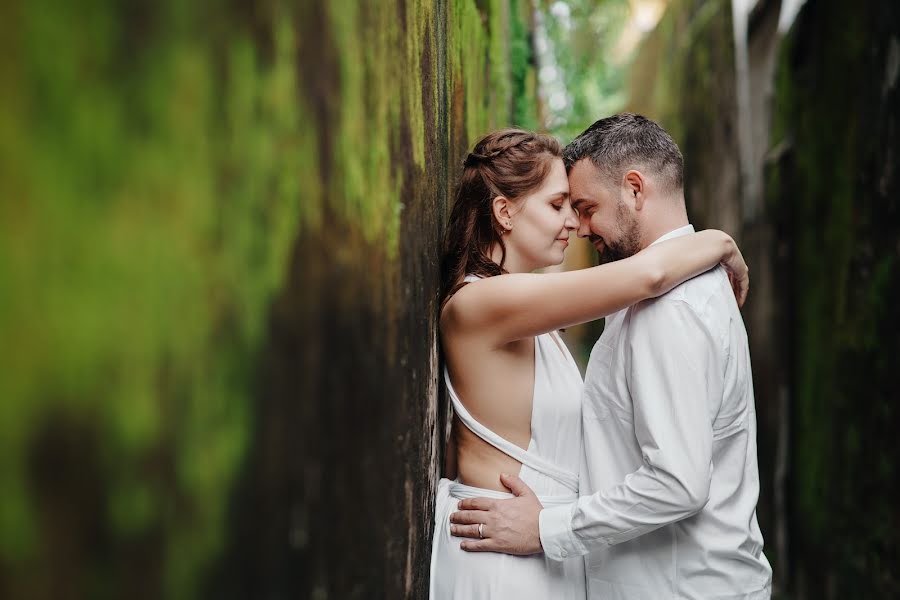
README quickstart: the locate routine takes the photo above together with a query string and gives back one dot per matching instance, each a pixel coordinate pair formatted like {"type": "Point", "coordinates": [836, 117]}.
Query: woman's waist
{"type": "Point", "coordinates": [479, 465]}
{"type": "Point", "coordinates": [459, 491]}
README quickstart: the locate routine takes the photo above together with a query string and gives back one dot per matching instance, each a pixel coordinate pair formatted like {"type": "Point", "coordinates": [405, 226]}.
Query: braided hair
{"type": "Point", "coordinates": [510, 163]}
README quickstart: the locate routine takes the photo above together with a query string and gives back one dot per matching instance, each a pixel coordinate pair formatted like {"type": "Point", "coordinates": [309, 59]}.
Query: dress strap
{"type": "Point", "coordinates": [532, 460]}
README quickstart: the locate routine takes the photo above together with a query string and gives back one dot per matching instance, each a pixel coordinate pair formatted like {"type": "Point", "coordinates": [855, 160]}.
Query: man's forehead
{"type": "Point", "coordinates": [584, 183]}
{"type": "Point", "coordinates": [584, 167]}
{"type": "Point", "coordinates": [584, 173]}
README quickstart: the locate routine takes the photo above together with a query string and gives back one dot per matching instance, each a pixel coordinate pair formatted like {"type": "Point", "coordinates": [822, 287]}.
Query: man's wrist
{"type": "Point", "coordinates": [557, 538]}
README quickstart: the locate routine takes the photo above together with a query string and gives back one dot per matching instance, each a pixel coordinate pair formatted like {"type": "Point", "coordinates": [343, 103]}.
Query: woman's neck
{"type": "Point", "coordinates": [512, 263]}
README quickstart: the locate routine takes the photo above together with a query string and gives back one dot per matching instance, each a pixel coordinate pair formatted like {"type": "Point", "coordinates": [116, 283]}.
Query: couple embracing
{"type": "Point", "coordinates": [640, 482]}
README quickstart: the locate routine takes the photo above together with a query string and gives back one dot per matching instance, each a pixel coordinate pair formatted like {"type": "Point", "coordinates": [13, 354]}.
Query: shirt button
{"type": "Point", "coordinates": [563, 553]}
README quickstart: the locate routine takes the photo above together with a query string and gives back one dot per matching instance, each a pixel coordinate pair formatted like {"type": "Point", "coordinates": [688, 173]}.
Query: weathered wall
{"type": "Point", "coordinates": [822, 243]}
{"type": "Point", "coordinates": [218, 264]}
{"type": "Point", "coordinates": [836, 188]}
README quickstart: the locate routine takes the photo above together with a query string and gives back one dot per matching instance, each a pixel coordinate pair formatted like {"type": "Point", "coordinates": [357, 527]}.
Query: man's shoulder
{"type": "Point", "coordinates": [708, 296]}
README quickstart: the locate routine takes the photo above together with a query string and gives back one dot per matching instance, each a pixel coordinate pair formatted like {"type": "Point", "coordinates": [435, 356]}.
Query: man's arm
{"type": "Point", "coordinates": [675, 382]}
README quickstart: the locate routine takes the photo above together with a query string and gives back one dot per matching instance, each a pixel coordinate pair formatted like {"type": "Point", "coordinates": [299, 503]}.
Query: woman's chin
{"type": "Point", "coordinates": [553, 258]}
{"type": "Point", "coordinates": [555, 261]}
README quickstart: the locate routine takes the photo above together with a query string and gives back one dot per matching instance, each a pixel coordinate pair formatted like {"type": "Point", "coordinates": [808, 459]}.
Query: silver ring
{"type": "Point", "coordinates": [481, 530]}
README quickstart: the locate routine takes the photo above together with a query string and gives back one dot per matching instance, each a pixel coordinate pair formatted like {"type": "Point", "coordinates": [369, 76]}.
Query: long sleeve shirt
{"type": "Point", "coordinates": [669, 480]}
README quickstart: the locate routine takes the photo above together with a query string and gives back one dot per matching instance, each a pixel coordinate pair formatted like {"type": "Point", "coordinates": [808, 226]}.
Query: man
{"type": "Point", "coordinates": [669, 481]}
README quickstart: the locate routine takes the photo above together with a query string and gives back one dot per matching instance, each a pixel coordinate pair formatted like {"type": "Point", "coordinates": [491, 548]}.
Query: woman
{"type": "Point", "coordinates": [515, 389]}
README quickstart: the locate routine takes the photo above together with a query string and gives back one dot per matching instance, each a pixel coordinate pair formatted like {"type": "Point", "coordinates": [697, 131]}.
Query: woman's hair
{"type": "Point", "coordinates": [510, 163]}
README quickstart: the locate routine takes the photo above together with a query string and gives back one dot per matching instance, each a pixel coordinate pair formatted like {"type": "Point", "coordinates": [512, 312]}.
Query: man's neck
{"type": "Point", "coordinates": [663, 222]}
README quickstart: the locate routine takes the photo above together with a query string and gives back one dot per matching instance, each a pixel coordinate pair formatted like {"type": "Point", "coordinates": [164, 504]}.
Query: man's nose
{"type": "Point", "coordinates": [584, 228]}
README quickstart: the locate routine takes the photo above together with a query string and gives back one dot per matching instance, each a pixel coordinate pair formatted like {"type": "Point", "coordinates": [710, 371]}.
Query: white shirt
{"type": "Point", "coordinates": [669, 480]}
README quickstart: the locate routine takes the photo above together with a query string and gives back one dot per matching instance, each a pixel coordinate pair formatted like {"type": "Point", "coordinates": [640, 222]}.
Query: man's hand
{"type": "Point", "coordinates": [508, 526]}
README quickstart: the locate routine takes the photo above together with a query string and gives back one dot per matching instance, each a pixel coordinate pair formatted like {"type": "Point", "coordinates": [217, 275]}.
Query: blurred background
{"type": "Point", "coordinates": [219, 231]}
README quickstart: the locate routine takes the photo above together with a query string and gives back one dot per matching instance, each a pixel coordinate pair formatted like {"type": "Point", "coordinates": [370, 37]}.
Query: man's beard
{"type": "Point", "coordinates": [628, 244]}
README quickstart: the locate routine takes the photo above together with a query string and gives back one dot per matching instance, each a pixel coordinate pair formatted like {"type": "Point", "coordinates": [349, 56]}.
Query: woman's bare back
{"type": "Point", "coordinates": [496, 385]}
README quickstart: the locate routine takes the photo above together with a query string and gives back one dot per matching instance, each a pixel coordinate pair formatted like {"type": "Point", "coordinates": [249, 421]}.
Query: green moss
{"type": "Point", "coordinates": [468, 54]}
{"type": "Point", "coordinates": [156, 170]}
{"type": "Point", "coordinates": [522, 72]}
{"type": "Point", "coordinates": [154, 217]}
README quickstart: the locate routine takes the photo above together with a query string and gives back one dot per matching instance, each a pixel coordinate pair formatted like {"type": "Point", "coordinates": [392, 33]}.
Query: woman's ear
{"type": "Point", "coordinates": [501, 208]}
{"type": "Point", "coordinates": [636, 186]}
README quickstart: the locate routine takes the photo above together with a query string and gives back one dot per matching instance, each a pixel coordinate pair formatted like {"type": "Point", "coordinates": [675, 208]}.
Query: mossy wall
{"type": "Point", "coordinates": [823, 252]}
{"type": "Point", "coordinates": [836, 189]}
{"type": "Point", "coordinates": [219, 228]}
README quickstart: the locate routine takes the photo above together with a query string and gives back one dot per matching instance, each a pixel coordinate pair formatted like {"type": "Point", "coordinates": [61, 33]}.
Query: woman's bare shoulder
{"type": "Point", "coordinates": [466, 309]}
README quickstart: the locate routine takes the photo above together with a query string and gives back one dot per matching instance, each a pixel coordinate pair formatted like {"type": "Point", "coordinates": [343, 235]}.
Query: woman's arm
{"type": "Point", "coordinates": [521, 305]}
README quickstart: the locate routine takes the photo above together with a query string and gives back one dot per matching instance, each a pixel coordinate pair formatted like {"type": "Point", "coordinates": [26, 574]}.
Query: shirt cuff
{"type": "Point", "coordinates": [557, 538]}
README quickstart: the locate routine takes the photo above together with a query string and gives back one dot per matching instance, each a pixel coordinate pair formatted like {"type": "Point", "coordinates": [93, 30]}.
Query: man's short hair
{"type": "Point", "coordinates": [626, 141]}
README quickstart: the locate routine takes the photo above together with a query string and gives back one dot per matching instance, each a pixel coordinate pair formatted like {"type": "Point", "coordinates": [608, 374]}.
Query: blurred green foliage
{"type": "Point", "coordinates": [521, 66]}
{"type": "Point", "coordinates": [583, 43]}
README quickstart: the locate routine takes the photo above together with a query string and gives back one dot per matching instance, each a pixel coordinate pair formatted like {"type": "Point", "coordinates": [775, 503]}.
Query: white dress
{"type": "Point", "coordinates": [549, 467]}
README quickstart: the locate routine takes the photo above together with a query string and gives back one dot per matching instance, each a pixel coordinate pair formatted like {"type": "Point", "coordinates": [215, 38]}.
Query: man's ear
{"type": "Point", "coordinates": [500, 205]}
{"type": "Point", "coordinates": [636, 186]}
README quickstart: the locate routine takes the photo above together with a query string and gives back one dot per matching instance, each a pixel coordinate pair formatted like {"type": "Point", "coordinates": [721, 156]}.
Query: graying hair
{"type": "Point", "coordinates": [626, 141]}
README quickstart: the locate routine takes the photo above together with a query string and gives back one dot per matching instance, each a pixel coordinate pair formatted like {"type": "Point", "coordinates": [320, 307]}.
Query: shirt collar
{"type": "Point", "coordinates": [675, 233]}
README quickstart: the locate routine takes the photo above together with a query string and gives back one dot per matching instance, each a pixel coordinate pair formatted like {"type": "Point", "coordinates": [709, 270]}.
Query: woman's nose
{"type": "Point", "coordinates": [571, 220]}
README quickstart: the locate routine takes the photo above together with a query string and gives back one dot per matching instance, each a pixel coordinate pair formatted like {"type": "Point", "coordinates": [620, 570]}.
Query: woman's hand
{"type": "Point", "coordinates": [738, 273]}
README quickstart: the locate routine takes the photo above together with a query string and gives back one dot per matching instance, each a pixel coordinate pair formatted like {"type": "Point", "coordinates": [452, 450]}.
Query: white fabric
{"type": "Point", "coordinates": [549, 467]}
{"type": "Point", "coordinates": [669, 481]}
